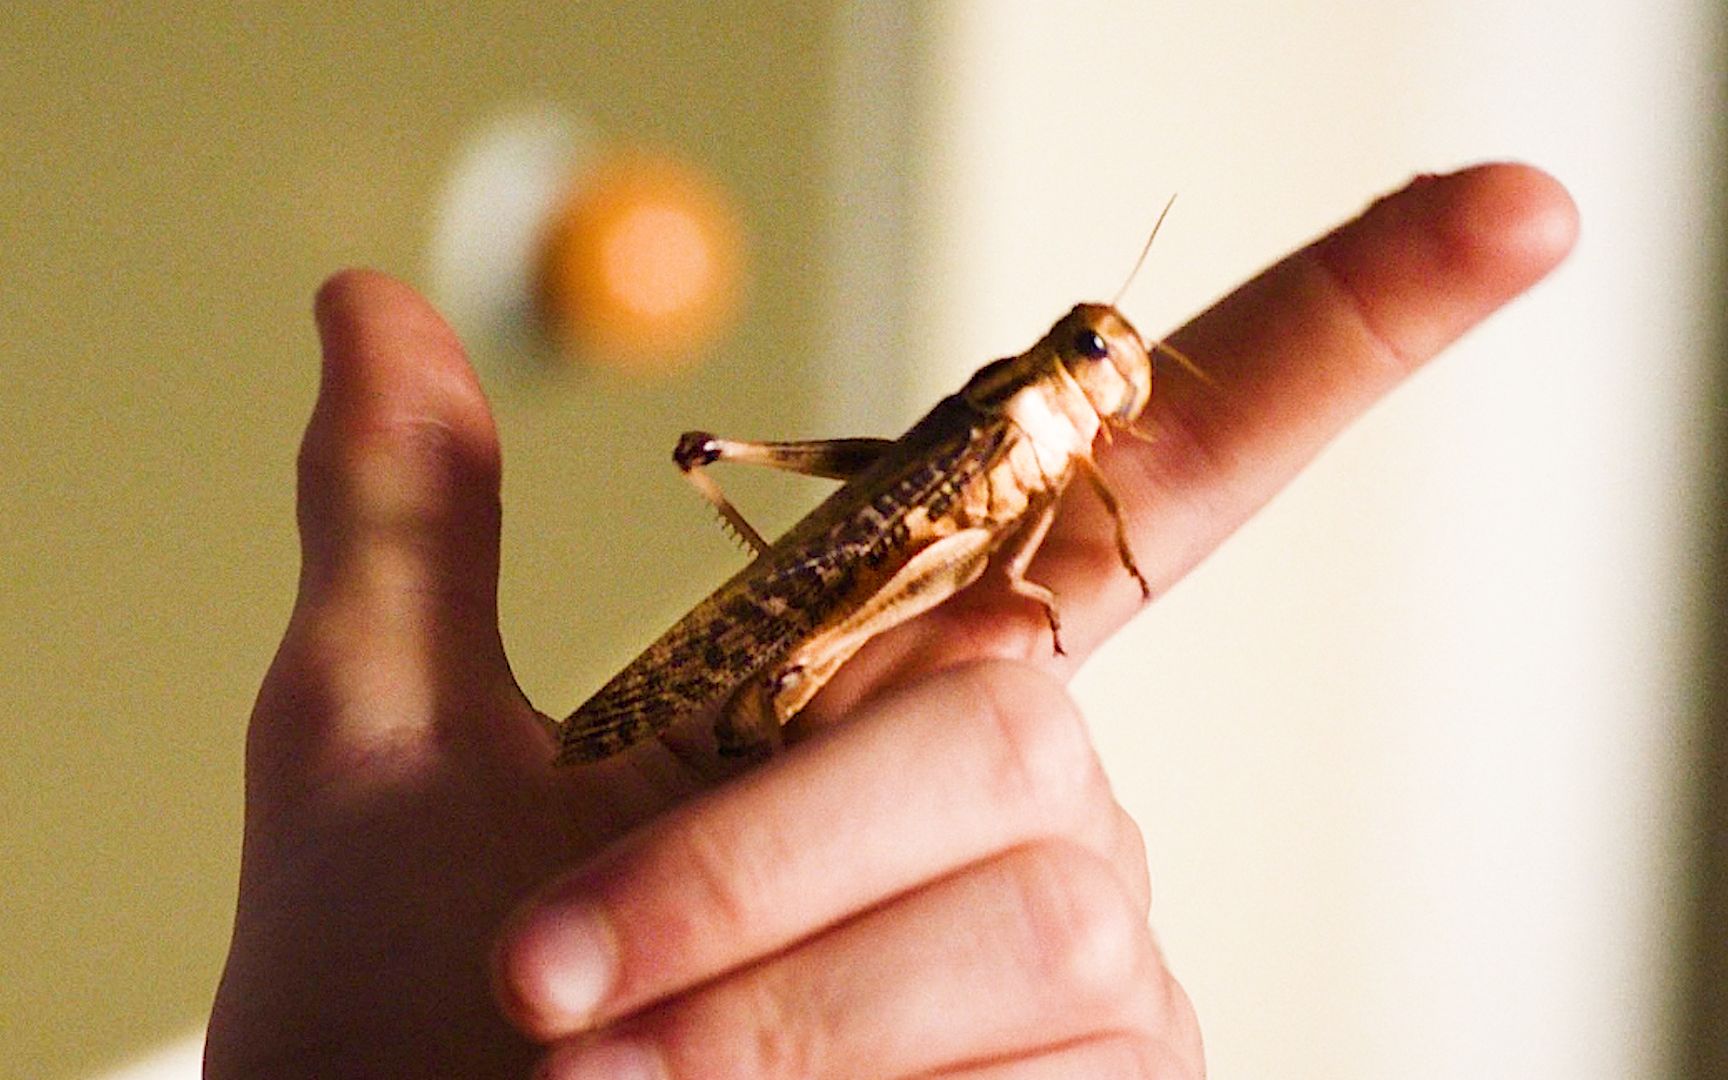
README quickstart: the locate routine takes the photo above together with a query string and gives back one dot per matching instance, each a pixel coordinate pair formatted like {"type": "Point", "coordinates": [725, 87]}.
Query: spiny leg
{"type": "Point", "coordinates": [937, 572]}
{"type": "Point", "coordinates": [1108, 498]}
{"type": "Point", "coordinates": [834, 459]}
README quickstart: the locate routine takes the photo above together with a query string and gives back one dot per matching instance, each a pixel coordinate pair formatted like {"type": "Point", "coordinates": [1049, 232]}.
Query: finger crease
{"type": "Point", "coordinates": [1386, 350]}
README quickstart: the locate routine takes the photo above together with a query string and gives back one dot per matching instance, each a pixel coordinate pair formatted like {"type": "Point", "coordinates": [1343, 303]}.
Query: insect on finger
{"type": "Point", "coordinates": [914, 521]}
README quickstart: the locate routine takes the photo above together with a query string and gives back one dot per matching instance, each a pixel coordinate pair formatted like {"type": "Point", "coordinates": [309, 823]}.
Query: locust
{"type": "Point", "coordinates": [915, 520]}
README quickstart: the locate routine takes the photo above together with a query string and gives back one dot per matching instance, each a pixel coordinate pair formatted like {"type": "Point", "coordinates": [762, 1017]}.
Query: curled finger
{"type": "Point", "coordinates": [1033, 950]}
{"type": "Point", "coordinates": [951, 771]}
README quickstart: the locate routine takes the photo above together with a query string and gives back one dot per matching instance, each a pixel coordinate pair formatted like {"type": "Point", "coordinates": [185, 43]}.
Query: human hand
{"type": "Point", "coordinates": [941, 885]}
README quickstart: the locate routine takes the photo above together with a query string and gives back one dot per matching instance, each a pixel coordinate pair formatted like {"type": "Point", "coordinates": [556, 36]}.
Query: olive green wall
{"type": "Point", "coordinates": [174, 182]}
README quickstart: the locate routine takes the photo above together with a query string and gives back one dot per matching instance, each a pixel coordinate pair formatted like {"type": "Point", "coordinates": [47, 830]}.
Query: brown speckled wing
{"type": "Point", "coordinates": [821, 567]}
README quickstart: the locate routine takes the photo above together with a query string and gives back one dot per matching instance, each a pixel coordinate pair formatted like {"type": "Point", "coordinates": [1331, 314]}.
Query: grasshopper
{"type": "Point", "coordinates": [915, 520]}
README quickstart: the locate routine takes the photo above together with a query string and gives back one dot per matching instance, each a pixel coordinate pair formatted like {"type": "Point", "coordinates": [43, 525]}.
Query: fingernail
{"type": "Point", "coordinates": [612, 1059]}
{"type": "Point", "coordinates": [572, 961]}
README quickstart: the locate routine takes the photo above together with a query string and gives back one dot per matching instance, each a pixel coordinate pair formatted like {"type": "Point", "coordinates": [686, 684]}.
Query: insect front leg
{"type": "Point", "coordinates": [833, 459]}
{"type": "Point", "coordinates": [1108, 498]}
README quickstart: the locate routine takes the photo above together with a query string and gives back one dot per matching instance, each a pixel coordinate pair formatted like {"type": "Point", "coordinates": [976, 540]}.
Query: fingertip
{"type": "Point", "coordinates": [393, 374]}
{"type": "Point", "coordinates": [392, 364]}
{"type": "Point", "coordinates": [347, 303]}
{"type": "Point", "coordinates": [349, 299]}
{"type": "Point", "coordinates": [1427, 262]}
{"type": "Point", "coordinates": [553, 967]}
{"type": "Point", "coordinates": [401, 453]}
{"type": "Point", "coordinates": [1504, 219]}
{"type": "Point", "coordinates": [515, 986]}
{"type": "Point", "coordinates": [381, 329]}
{"type": "Point", "coordinates": [336, 294]}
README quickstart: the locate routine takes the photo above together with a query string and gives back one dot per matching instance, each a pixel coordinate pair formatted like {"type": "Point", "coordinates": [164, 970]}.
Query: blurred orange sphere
{"type": "Point", "coordinates": [641, 263]}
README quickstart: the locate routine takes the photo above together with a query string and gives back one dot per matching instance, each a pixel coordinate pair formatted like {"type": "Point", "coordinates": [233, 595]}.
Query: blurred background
{"type": "Point", "coordinates": [1432, 758]}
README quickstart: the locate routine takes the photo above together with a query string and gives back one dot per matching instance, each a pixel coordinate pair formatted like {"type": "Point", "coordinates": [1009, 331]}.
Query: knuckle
{"type": "Point", "coordinates": [1085, 937]}
{"type": "Point", "coordinates": [1381, 355]}
{"type": "Point", "coordinates": [422, 457]}
{"type": "Point", "coordinates": [395, 464]}
{"type": "Point", "coordinates": [779, 1044]}
{"type": "Point", "coordinates": [1040, 755]}
{"type": "Point", "coordinates": [1160, 1011]}
{"type": "Point", "coordinates": [1181, 1025]}
{"type": "Point", "coordinates": [1140, 1057]}
{"type": "Point", "coordinates": [724, 875]}
{"type": "Point", "coordinates": [751, 1029]}
{"type": "Point", "coordinates": [1130, 834]}
{"type": "Point", "coordinates": [1127, 848]}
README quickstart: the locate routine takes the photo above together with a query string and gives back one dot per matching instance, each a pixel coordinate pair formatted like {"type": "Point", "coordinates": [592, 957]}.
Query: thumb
{"type": "Point", "coordinates": [399, 475]}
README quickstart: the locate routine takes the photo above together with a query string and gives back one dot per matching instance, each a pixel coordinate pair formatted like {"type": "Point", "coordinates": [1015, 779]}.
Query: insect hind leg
{"type": "Point", "coordinates": [696, 449]}
{"type": "Point", "coordinates": [931, 576]}
{"type": "Point", "coordinates": [833, 459]}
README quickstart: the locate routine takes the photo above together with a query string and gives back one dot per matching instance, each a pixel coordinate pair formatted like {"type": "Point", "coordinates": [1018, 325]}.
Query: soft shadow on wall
{"type": "Point", "coordinates": [1704, 1016]}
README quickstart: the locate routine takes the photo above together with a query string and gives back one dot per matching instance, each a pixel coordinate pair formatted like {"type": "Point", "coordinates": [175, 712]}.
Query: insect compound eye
{"type": "Point", "coordinates": [1089, 344]}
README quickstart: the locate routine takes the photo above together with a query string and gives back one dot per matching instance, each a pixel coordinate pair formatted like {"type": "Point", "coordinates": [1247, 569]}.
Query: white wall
{"type": "Point", "coordinates": [1408, 750]}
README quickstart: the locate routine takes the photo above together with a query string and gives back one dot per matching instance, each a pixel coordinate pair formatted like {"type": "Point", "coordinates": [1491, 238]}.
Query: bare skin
{"type": "Point", "coordinates": [422, 893]}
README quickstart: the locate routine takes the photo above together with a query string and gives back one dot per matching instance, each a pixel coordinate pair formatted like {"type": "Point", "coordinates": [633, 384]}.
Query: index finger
{"type": "Point", "coordinates": [1296, 354]}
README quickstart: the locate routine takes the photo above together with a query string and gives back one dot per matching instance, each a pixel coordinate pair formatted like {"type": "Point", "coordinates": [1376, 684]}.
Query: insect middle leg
{"type": "Point", "coordinates": [833, 459]}
{"type": "Point", "coordinates": [1018, 553]}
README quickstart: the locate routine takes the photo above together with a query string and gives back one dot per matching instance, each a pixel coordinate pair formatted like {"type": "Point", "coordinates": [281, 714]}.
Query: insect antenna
{"type": "Point", "coordinates": [1184, 361]}
{"type": "Point", "coordinates": [1161, 346]}
{"type": "Point", "coordinates": [1144, 251]}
